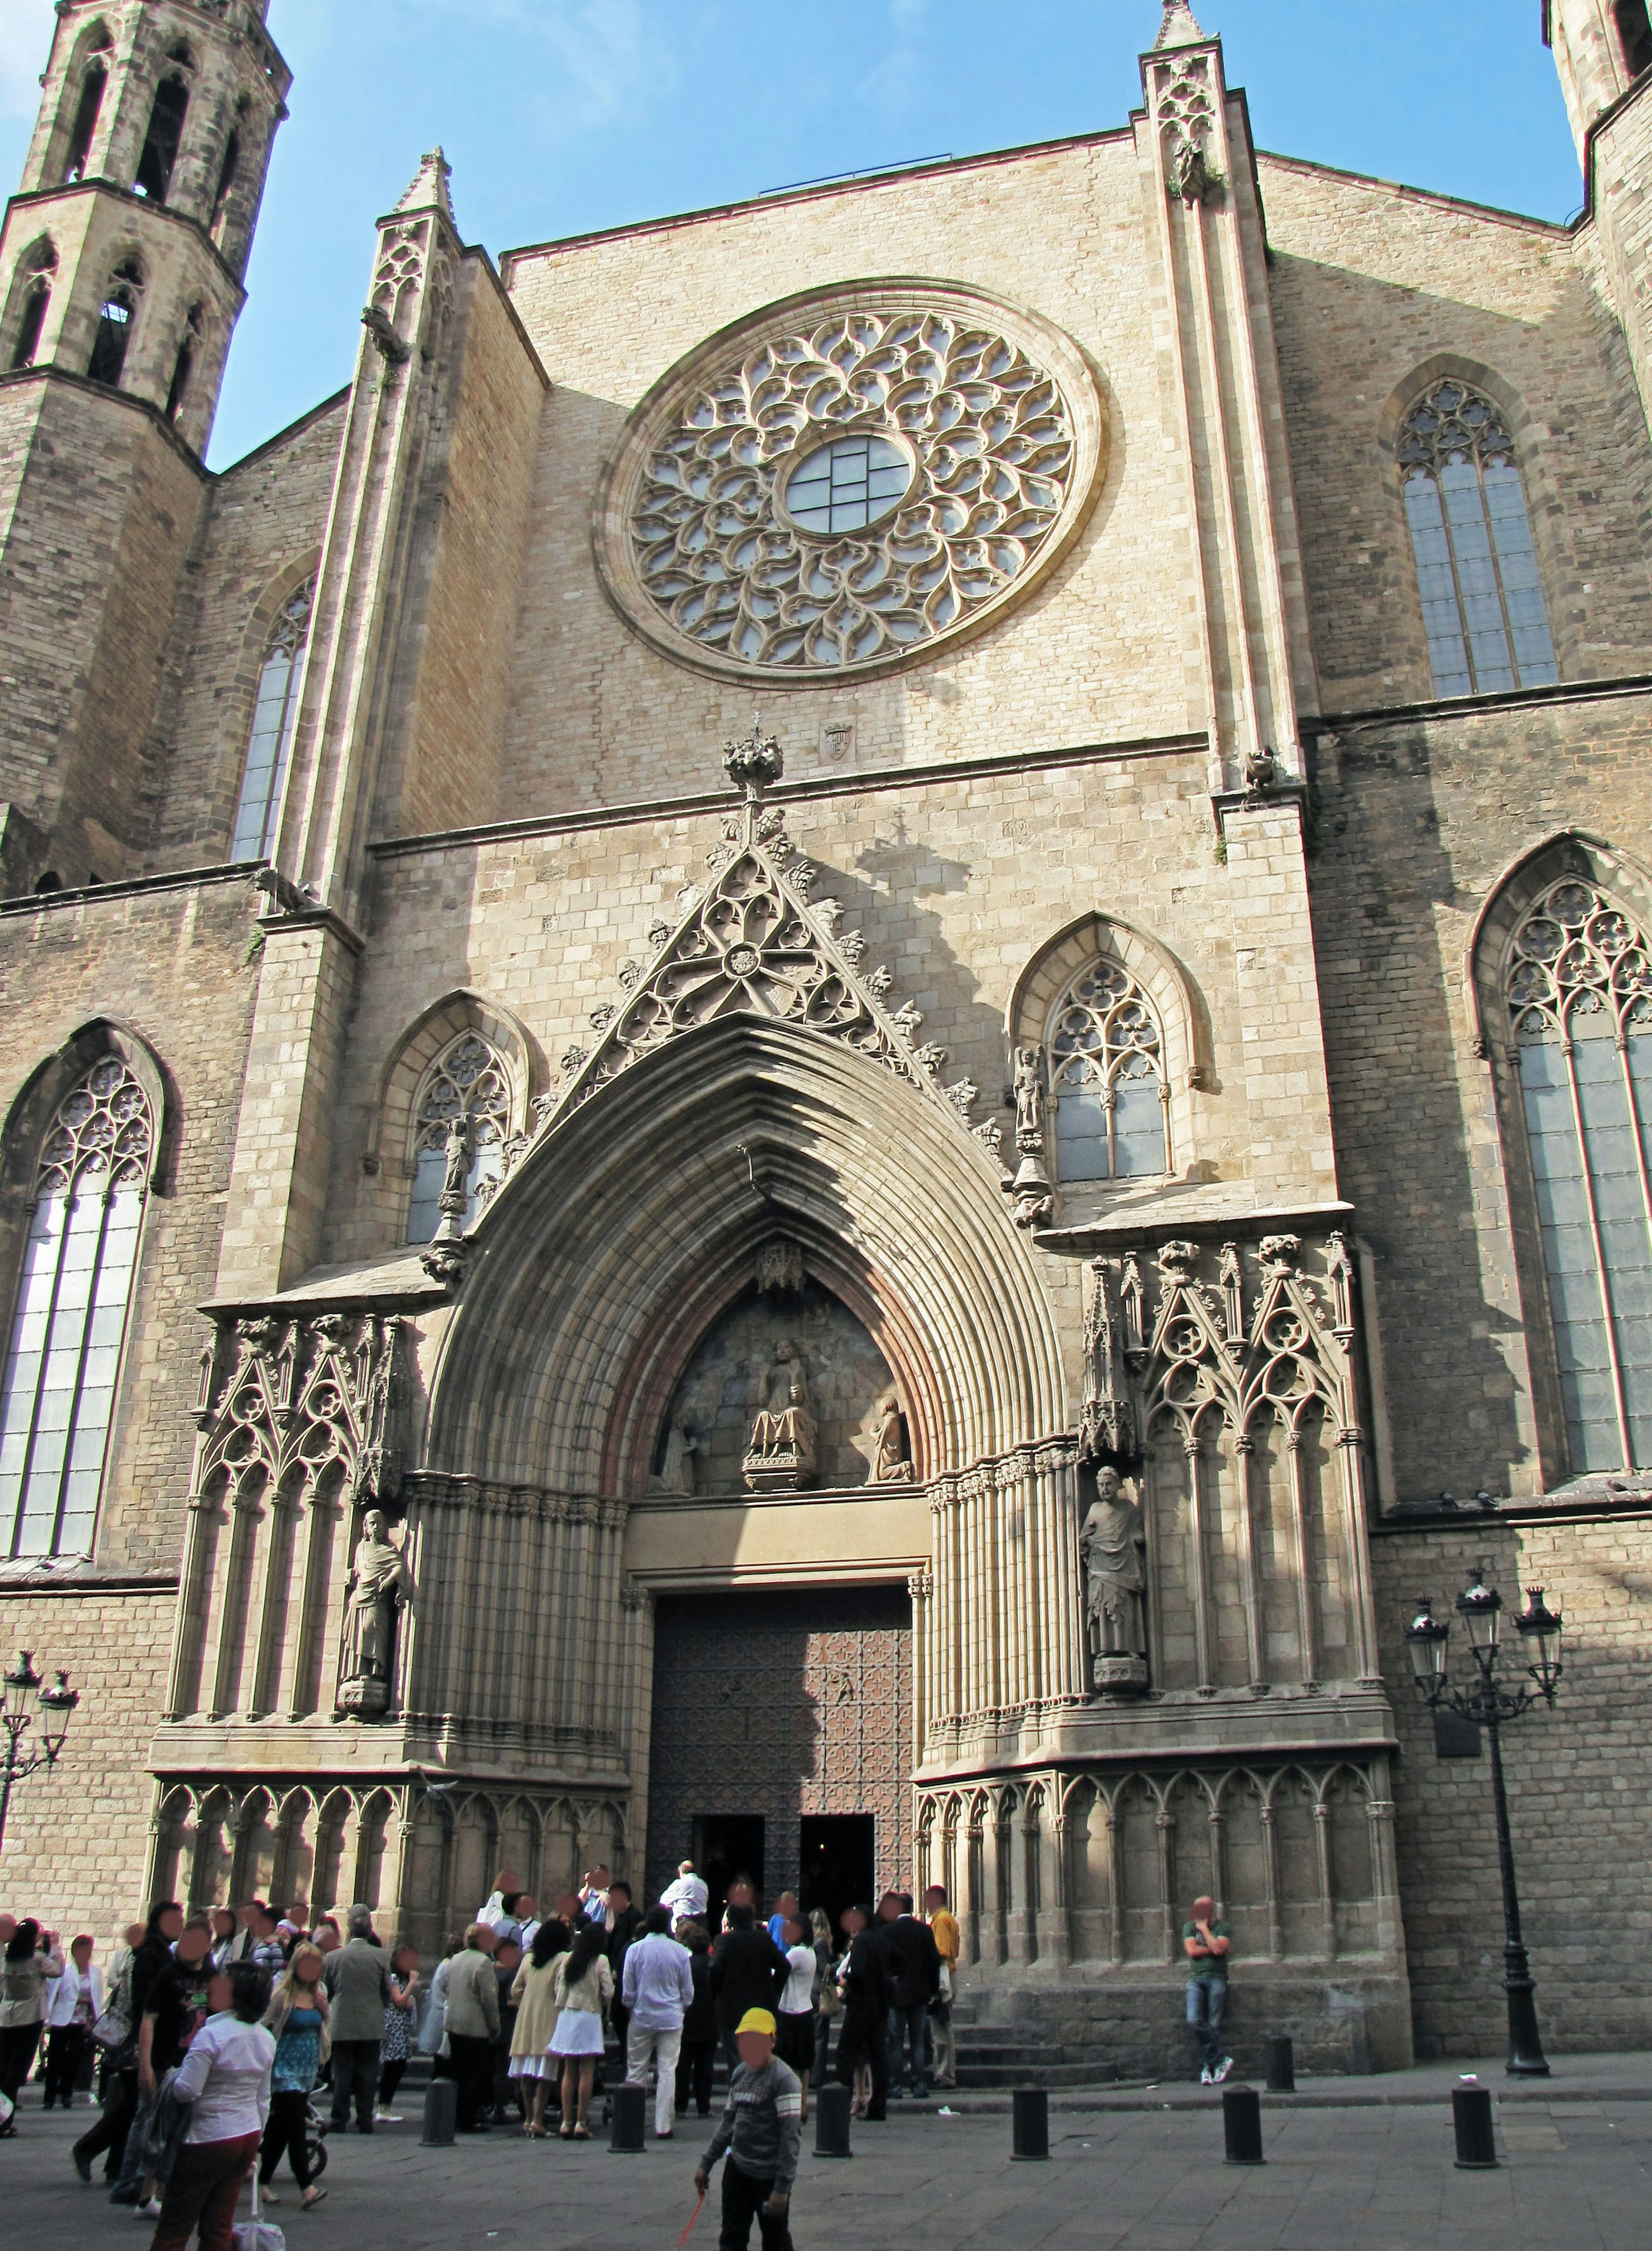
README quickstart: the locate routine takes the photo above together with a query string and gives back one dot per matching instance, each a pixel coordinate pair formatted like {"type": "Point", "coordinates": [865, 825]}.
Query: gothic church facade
{"type": "Point", "coordinates": [821, 1046]}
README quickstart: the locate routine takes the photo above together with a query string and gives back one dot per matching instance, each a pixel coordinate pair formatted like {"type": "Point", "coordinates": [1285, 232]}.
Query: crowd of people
{"type": "Point", "coordinates": [212, 2034]}
{"type": "Point", "coordinates": [211, 2038]}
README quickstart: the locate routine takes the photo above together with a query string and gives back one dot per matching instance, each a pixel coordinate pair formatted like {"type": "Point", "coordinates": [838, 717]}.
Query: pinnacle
{"type": "Point", "coordinates": [1180, 27]}
{"type": "Point", "coordinates": [429, 185]}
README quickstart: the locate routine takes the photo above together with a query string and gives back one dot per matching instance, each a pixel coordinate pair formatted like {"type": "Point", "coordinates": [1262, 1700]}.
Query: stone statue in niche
{"type": "Point", "coordinates": [781, 1453]}
{"type": "Point", "coordinates": [677, 1466]}
{"type": "Point", "coordinates": [379, 1585]}
{"type": "Point", "coordinates": [1112, 1542]}
{"type": "Point", "coordinates": [1028, 1103]}
{"type": "Point", "coordinates": [891, 1464]}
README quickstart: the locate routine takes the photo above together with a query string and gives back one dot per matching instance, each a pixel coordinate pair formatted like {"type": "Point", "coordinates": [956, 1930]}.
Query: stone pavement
{"type": "Point", "coordinates": [1577, 2168]}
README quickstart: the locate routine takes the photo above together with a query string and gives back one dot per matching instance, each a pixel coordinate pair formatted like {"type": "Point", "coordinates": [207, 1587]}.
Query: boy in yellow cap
{"type": "Point", "coordinates": [761, 2128]}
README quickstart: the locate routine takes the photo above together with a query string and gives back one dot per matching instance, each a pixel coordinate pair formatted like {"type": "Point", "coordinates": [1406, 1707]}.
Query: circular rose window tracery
{"type": "Point", "coordinates": [843, 482]}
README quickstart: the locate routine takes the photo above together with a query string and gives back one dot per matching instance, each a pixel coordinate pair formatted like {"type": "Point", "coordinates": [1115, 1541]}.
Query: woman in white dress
{"type": "Point", "coordinates": [582, 1988]}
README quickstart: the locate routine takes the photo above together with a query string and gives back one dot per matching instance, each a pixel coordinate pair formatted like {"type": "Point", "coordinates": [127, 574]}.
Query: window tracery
{"type": "Point", "coordinates": [1106, 1078]}
{"type": "Point", "coordinates": [1476, 567]}
{"type": "Point", "coordinates": [274, 716]}
{"type": "Point", "coordinates": [853, 481]}
{"type": "Point", "coordinates": [70, 1317]}
{"type": "Point", "coordinates": [1578, 982]}
{"type": "Point", "coordinates": [468, 1080]}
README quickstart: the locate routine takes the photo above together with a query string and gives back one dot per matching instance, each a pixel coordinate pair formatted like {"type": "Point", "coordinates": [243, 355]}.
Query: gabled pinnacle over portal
{"type": "Point", "coordinates": [1180, 27]}
{"type": "Point", "coordinates": [751, 942]}
{"type": "Point", "coordinates": [428, 187]}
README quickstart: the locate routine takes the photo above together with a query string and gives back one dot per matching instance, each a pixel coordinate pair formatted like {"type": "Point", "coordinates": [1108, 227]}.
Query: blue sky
{"type": "Point", "coordinates": [561, 115]}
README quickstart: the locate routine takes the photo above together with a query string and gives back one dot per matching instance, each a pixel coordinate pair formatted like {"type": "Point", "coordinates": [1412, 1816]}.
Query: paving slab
{"type": "Point", "coordinates": [1339, 2178]}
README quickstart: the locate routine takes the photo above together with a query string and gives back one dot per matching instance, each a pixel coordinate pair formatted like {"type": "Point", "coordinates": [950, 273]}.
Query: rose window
{"type": "Point", "coordinates": [853, 480]}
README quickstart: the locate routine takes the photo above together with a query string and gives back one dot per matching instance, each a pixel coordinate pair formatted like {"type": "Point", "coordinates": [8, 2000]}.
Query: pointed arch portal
{"type": "Point", "coordinates": [630, 1225]}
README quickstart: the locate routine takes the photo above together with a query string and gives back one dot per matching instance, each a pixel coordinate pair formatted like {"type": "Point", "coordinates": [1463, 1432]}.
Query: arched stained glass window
{"type": "Point", "coordinates": [275, 714]}
{"type": "Point", "coordinates": [70, 1320]}
{"type": "Point", "coordinates": [1106, 1078]}
{"type": "Point", "coordinates": [1579, 986]}
{"type": "Point", "coordinates": [1477, 569]}
{"type": "Point", "coordinates": [466, 1079]}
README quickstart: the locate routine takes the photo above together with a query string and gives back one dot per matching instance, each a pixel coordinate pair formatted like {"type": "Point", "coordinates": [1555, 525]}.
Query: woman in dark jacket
{"type": "Point", "coordinates": [699, 2052]}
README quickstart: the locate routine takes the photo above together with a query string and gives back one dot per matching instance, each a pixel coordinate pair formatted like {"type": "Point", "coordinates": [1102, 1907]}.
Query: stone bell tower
{"type": "Point", "coordinates": [1603, 52]}
{"type": "Point", "coordinates": [122, 259]}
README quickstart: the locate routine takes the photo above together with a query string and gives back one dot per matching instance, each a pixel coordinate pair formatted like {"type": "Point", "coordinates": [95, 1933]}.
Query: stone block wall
{"type": "Point", "coordinates": [103, 510]}
{"type": "Point", "coordinates": [1096, 652]}
{"type": "Point", "coordinates": [956, 884]}
{"type": "Point", "coordinates": [77, 1835]}
{"type": "Point", "coordinates": [259, 537]}
{"type": "Point", "coordinates": [1418, 822]}
{"type": "Point", "coordinates": [1375, 288]}
{"type": "Point", "coordinates": [1579, 1778]}
{"type": "Point", "coordinates": [170, 963]}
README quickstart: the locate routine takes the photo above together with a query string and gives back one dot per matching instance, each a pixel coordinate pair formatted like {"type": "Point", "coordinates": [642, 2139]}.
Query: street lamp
{"type": "Point", "coordinates": [56, 1705]}
{"type": "Point", "coordinates": [1485, 1700]}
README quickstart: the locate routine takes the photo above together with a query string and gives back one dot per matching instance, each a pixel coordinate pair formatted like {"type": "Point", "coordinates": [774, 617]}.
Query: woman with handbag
{"type": "Point", "coordinates": [297, 2016]}
{"type": "Point", "coordinates": [31, 1962]}
{"type": "Point", "coordinates": [829, 2001]}
{"type": "Point", "coordinates": [115, 2035]}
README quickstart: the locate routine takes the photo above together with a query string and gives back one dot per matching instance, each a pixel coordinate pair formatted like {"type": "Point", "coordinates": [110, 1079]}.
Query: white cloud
{"type": "Point", "coordinates": [597, 50]}
{"type": "Point", "coordinates": [892, 78]}
{"type": "Point", "coordinates": [26, 41]}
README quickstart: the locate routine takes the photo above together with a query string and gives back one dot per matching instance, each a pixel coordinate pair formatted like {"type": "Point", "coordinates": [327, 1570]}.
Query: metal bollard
{"type": "Point", "coordinates": [831, 2122]}
{"type": "Point", "coordinates": [1030, 2107]}
{"type": "Point", "coordinates": [628, 2108]}
{"type": "Point", "coordinates": [441, 2113]}
{"type": "Point", "coordinates": [1281, 2066]}
{"type": "Point", "coordinates": [1471, 2122]}
{"type": "Point", "coordinates": [1242, 2126]}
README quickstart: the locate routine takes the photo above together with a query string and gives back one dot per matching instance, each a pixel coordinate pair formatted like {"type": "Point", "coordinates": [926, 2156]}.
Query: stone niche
{"type": "Point", "coordinates": [717, 1395]}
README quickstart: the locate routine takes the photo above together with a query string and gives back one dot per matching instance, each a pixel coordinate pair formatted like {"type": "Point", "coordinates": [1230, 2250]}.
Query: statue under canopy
{"type": "Point", "coordinates": [1112, 1542]}
{"type": "Point", "coordinates": [379, 1583]}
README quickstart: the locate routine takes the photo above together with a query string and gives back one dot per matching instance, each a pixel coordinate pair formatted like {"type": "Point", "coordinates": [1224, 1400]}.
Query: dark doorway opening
{"type": "Point", "coordinates": [726, 1846]}
{"type": "Point", "coordinates": [835, 1857]}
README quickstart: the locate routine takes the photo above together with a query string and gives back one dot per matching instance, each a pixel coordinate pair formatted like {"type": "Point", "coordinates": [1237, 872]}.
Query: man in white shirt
{"type": "Point", "coordinates": [658, 1987]}
{"type": "Point", "coordinates": [688, 1898]}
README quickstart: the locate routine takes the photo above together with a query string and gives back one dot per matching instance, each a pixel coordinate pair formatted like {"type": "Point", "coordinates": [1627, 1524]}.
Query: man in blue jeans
{"type": "Point", "coordinates": [1205, 1942]}
{"type": "Point", "coordinates": [915, 1960]}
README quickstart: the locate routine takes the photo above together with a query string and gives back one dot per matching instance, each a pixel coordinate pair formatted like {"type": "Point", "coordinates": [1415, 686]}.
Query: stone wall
{"type": "Point", "coordinates": [1578, 1779]}
{"type": "Point", "coordinates": [1375, 288]}
{"type": "Point", "coordinates": [1095, 654]}
{"type": "Point", "coordinates": [77, 1837]}
{"type": "Point", "coordinates": [1418, 822]}
{"type": "Point", "coordinates": [171, 963]}
{"type": "Point", "coordinates": [259, 537]}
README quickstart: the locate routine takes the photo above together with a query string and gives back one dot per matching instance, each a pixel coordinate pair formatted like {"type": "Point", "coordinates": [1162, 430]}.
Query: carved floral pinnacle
{"type": "Point", "coordinates": [753, 764]}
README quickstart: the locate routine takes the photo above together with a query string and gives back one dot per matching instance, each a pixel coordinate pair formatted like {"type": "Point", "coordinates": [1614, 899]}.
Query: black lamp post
{"type": "Point", "coordinates": [56, 1704]}
{"type": "Point", "coordinates": [1484, 1699]}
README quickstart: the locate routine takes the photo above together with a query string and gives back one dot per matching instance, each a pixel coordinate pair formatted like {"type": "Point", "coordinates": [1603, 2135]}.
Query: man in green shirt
{"type": "Point", "coordinates": [1205, 1942]}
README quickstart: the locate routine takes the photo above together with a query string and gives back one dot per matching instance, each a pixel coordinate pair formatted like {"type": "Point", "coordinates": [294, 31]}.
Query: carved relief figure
{"type": "Point", "coordinates": [891, 1464]}
{"type": "Point", "coordinates": [677, 1467]}
{"type": "Point", "coordinates": [378, 1586]}
{"type": "Point", "coordinates": [1111, 1544]}
{"type": "Point", "coordinates": [781, 1451]}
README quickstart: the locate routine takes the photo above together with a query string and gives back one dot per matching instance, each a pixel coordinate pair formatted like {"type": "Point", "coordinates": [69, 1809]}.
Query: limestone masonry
{"type": "Point", "coordinates": [820, 1049]}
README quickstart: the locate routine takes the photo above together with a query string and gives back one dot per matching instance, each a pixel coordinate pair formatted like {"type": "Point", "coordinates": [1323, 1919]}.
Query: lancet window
{"type": "Point", "coordinates": [70, 1313]}
{"type": "Point", "coordinates": [1579, 987]}
{"type": "Point", "coordinates": [274, 716]}
{"type": "Point", "coordinates": [467, 1080]}
{"type": "Point", "coordinates": [1476, 567]}
{"type": "Point", "coordinates": [116, 317]}
{"type": "Point", "coordinates": [1106, 1078]}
